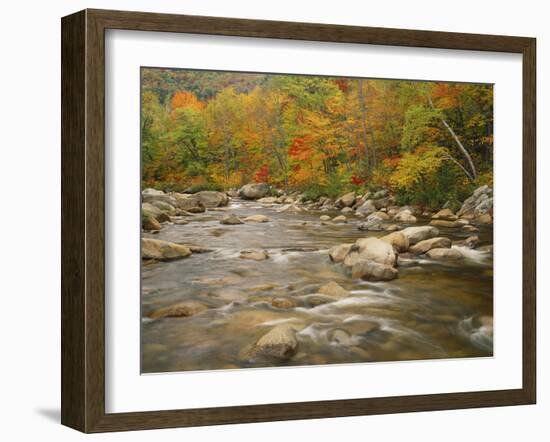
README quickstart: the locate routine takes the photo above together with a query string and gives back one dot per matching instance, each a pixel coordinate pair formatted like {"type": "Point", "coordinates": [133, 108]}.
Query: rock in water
{"type": "Point", "coordinates": [479, 203]}
{"type": "Point", "coordinates": [373, 271]}
{"type": "Point", "coordinates": [405, 216]}
{"type": "Point", "coordinates": [279, 343]}
{"type": "Point", "coordinates": [445, 254]}
{"type": "Point", "coordinates": [324, 218]}
{"type": "Point", "coordinates": [433, 243]}
{"type": "Point", "coordinates": [181, 310]}
{"type": "Point", "coordinates": [231, 220]}
{"type": "Point", "coordinates": [399, 241]}
{"type": "Point", "coordinates": [268, 200]}
{"type": "Point", "coordinates": [417, 234]}
{"type": "Point", "coordinates": [189, 203]}
{"type": "Point", "coordinates": [256, 219]}
{"type": "Point", "coordinates": [256, 255]}
{"type": "Point", "coordinates": [149, 222]}
{"type": "Point", "coordinates": [333, 289]}
{"type": "Point", "coordinates": [483, 219]}
{"type": "Point", "coordinates": [445, 214]}
{"type": "Point", "coordinates": [338, 253]}
{"type": "Point", "coordinates": [339, 219]}
{"type": "Point", "coordinates": [374, 249]}
{"type": "Point", "coordinates": [162, 250]}
{"type": "Point", "coordinates": [254, 191]}
{"type": "Point", "coordinates": [210, 198]}
{"type": "Point", "coordinates": [148, 210]}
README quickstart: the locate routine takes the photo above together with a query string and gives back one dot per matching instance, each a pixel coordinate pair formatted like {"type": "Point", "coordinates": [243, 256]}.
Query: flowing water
{"type": "Point", "coordinates": [433, 310]}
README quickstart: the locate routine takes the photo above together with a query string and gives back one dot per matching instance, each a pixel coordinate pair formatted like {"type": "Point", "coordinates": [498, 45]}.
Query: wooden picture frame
{"type": "Point", "coordinates": [83, 220]}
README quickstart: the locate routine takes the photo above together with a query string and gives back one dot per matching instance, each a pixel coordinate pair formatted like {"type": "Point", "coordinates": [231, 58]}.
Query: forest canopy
{"type": "Point", "coordinates": [428, 142]}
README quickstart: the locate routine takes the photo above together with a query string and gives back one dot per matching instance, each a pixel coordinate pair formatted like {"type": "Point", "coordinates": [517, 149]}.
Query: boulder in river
{"type": "Point", "coordinates": [162, 250]}
{"type": "Point", "coordinates": [417, 234]}
{"type": "Point", "coordinates": [445, 254]}
{"type": "Point", "coordinates": [338, 253]}
{"type": "Point", "coordinates": [231, 220]}
{"type": "Point", "coordinates": [279, 343]}
{"type": "Point", "coordinates": [180, 310]}
{"type": "Point", "coordinates": [372, 223]}
{"type": "Point", "coordinates": [347, 210]}
{"type": "Point", "coordinates": [164, 207]}
{"type": "Point", "coordinates": [256, 219]}
{"type": "Point", "coordinates": [210, 198]}
{"type": "Point", "coordinates": [445, 214]}
{"type": "Point", "coordinates": [399, 242]}
{"type": "Point", "coordinates": [471, 242]}
{"type": "Point", "coordinates": [254, 254]}
{"type": "Point", "coordinates": [189, 203]}
{"type": "Point", "coordinates": [324, 218]}
{"type": "Point", "coordinates": [254, 191]}
{"type": "Point", "coordinates": [373, 271]}
{"type": "Point", "coordinates": [433, 243]}
{"type": "Point", "coordinates": [374, 249]}
{"type": "Point", "coordinates": [268, 200]}
{"type": "Point", "coordinates": [339, 219]}
{"type": "Point", "coordinates": [405, 216]}
{"type": "Point", "coordinates": [333, 289]}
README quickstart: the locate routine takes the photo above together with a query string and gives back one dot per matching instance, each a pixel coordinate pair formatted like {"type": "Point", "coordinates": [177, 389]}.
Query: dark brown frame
{"type": "Point", "coordinates": [83, 216]}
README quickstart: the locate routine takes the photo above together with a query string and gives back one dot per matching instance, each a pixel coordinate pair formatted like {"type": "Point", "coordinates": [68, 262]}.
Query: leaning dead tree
{"type": "Point", "coordinates": [471, 173]}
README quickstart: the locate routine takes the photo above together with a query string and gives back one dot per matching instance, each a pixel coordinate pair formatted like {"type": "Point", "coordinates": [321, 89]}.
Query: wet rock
{"type": "Point", "coordinates": [231, 220]}
{"type": "Point", "coordinates": [399, 242]}
{"type": "Point", "coordinates": [181, 310]}
{"type": "Point", "coordinates": [179, 221]}
{"type": "Point", "coordinates": [338, 253]}
{"type": "Point", "coordinates": [471, 242]}
{"type": "Point", "coordinates": [254, 191]}
{"type": "Point", "coordinates": [374, 249]}
{"type": "Point", "coordinates": [487, 248]}
{"type": "Point", "coordinates": [256, 219]}
{"type": "Point", "coordinates": [392, 228]}
{"type": "Point", "coordinates": [279, 343]}
{"type": "Point", "coordinates": [417, 234]}
{"type": "Point", "coordinates": [209, 198]}
{"type": "Point", "coordinates": [405, 216]}
{"type": "Point", "coordinates": [189, 203]}
{"type": "Point", "coordinates": [333, 289]}
{"type": "Point", "coordinates": [199, 249]}
{"type": "Point", "coordinates": [381, 215]}
{"type": "Point", "coordinates": [444, 223]}
{"type": "Point", "coordinates": [366, 208]}
{"type": "Point", "coordinates": [373, 271]}
{"type": "Point", "coordinates": [381, 202]}
{"type": "Point", "coordinates": [380, 194]}
{"type": "Point", "coordinates": [290, 208]}
{"type": "Point", "coordinates": [162, 250]}
{"type": "Point", "coordinates": [373, 222]}
{"type": "Point", "coordinates": [433, 243]}
{"type": "Point", "coordinates": [347, 210]}
{"type": "Point", "coordinates": [256, 255]}
{"type": "Point", "coordinates": [283, 303]}
{"type": "Point", "coordinates": [339, 219]}
{"type": "Point", "coordinates": [470, 228]}
{"type": "Point", "coordinates": [324, 218]}
{"type": "Point", "coordinates": [445, 214]}
{"type": "Point", "coordinates": [445, 254]}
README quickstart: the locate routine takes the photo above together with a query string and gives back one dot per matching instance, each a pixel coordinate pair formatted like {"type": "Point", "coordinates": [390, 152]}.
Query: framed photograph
{"type": "Point", "coordinates": [267, 220]}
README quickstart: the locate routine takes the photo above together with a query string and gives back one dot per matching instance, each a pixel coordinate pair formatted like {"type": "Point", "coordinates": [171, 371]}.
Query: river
{"type": "Point", "coordinates": [431, 311]}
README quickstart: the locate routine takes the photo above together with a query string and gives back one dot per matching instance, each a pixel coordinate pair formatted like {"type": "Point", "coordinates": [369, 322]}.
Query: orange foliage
{"type": "Point", "coordinates": [185, 100]}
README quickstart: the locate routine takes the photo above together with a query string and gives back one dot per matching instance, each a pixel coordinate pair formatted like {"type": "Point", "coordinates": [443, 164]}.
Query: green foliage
{"type": "Point", "coordinates": [204, 186]}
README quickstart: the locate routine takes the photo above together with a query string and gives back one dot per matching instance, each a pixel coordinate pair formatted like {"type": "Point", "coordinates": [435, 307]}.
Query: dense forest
{"type": "Point", "coordinates": [428, 142]}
